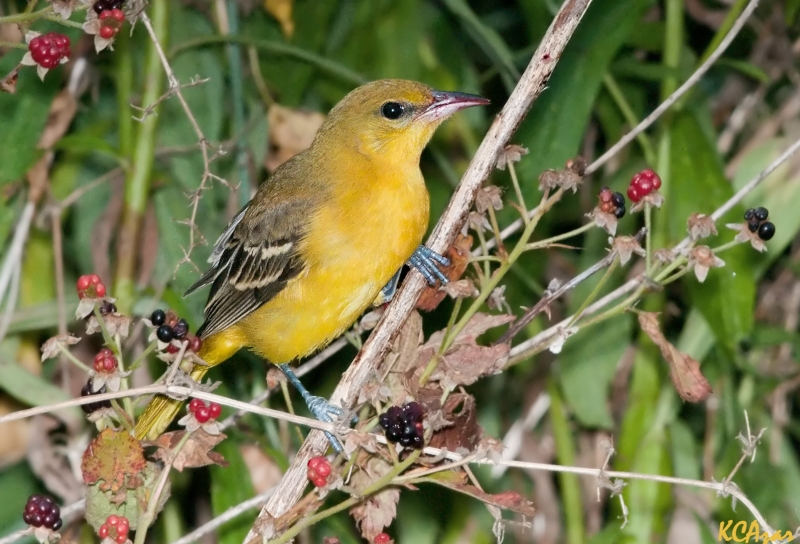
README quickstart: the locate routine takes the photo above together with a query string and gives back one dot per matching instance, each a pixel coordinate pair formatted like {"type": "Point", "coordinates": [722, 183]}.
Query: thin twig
{"type": "Point", "coordinates": [658, 112]}
{"type": "Point", "coordinates": [532, 83]}
{"type": "Point", "coordinates": [534, 344]}
{"type": "Point", "coordinates": [231, 513]}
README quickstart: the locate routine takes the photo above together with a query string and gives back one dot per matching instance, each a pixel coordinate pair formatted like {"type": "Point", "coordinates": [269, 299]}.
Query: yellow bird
{"type": "Point", "coordinates": [324, 237]}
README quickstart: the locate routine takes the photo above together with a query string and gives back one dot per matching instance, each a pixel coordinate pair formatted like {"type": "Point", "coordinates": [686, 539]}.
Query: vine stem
{"type": "Point", "coordinates": [376, 486]}
{"type": "Point", "coordinates": [149, 515]}
{"type": "Point", "coordinates": [530, 86]}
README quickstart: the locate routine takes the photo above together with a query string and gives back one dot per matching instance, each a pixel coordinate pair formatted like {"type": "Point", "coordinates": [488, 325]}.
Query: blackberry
{"type": "Point", "coordinates": [618, 200]}
{"type": "Point", "coordinates": [619, 212]}
{"type": "Point", "coordinates": [404, 425]}
{"type": "Point", "coordinates": [102, 5]}
{"type": "Point", "coordinates": [752, 225]}
{"type": "Point", "coordinates": [766, 231]}
{"type": "Point", "coordinates": [180, 329]}
{"type": "Point", "coordinates": [761, 214]}
{"type": "Point", "coordinates": [164, 333]}
{"type": "Point", "coordinates": [158, 318]}
{"type": "Point", "coordinates": [748, 215]}
{"type": "Point", "coordinates": [86, 391]}
{"type": "Point", "coordinates": [107, 308]}
{"type": "Point", "coordinates": [42, 511]}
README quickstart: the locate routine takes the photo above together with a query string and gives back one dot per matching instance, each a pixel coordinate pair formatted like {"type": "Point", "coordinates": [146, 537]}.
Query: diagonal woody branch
{"type": "Point", "coordinates": [530, 86]}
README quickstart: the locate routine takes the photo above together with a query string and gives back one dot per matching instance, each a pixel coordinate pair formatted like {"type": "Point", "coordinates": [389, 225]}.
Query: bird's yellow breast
{"type": "Point", "coordinates": [369, 231]}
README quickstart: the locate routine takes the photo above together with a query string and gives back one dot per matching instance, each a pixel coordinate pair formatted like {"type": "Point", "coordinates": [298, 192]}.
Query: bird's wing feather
{"type": "Point", "coordinates": [252, 261]}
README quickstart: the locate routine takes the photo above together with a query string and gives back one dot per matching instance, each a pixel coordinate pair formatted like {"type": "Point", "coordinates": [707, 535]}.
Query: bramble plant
{"type": "Point", "coordinates": [596, 321]}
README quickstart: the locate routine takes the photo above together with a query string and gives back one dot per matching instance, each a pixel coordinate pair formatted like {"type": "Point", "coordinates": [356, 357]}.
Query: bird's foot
{"type": "Point", "coordinates": [327, 412]}
{"type": "Point", "coordinates": [425, 260]}
{"type": "Point", "coordinates": [388, 291]}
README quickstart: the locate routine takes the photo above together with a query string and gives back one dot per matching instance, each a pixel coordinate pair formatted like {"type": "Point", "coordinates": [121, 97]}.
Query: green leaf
{"type": "Point", "coordinates": [230, 486]}
{"type": "Point", "coordinates": [33, 390]}
{"type": "Point", "coordinates": [23, 115]}
{"type": "Point", "coordinates": [554, 128]}
{"type": "Point", "coordinates": [697, 183]}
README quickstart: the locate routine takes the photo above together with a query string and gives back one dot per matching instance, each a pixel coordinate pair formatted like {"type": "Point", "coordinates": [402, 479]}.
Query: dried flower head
{"type": "Point", "coordinates": [626, 246]}
{"type": "Point", "coordinates": [701, 258]}
{"type": "Point", "coordinates": [746, 235]}
{"type": "Point", "coordinates": [510, 154]}
{"type": "Point", "coordinates": [700, 225]}
{"type": "Point", "coordinates": [568, 178]}
{"type": "Point", "coordinates": [490, 196]}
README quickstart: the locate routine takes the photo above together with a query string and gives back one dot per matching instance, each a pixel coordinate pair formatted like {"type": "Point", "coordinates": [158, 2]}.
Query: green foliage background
{"type": "Point", "coordinates": [626, 56]}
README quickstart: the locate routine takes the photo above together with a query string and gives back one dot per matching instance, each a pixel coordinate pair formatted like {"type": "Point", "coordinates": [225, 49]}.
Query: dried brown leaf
{"type": "Point", "coordinates": [464, 433]}
{"type": "Point", "coordinates": [684, 371]}
{"type": "Point", "coordinates": [9, 83]}
{"type": "Point", "coordinates": [111, 458]}
{"type": "Point", "coordinates": [458, 254]}
{"type": "Point", "coordinates": [376, 513]}
{"type": "Point", "coordinates": [290, 132]}
{"type": "Point", "coordinates": [196, 452]}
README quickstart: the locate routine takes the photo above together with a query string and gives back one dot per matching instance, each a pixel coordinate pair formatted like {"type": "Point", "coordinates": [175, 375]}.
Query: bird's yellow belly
{"type": "Point", "coordinates": [321, 304]}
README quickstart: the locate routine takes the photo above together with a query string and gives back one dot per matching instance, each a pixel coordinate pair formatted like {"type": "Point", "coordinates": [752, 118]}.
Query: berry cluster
{"type": "Point", "coordinates": [642, 184]}
{"type": "Point", "coordinates": [115, 527]}
{"type": "Point", "coordinates": [169, 327]}
{"type": "Point", "coordinates": [613, 203]}
{"type": "Point", "coordinates": [47, 50]}
{"type": "Point", "coordinates": [110, 22]}
{"type": "Point", "coordinates": [404, 425]}
{"type": "Point", "coordinates": [382, 538]}
{"type": "Point", "coordinates": [105, 361]}
{"type": "Point", "coordinates": [42, 511]}
{"type": "Point", "coordinates": [91, 286]}
{"type": "Point", "coordinates": [319, 468]}
{"type": "Point", "coordinates": [204, 412]}
{"type": "Point", "coordinates": [106, 5]}
{"type": "Point", "coordinates": [757, 222]}
{"type": "Point", "coordinates": [86, 391]}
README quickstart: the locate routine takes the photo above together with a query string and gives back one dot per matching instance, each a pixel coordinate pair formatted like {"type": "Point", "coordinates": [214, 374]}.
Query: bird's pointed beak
{"type": "Point", "coordinates": [446, 104]}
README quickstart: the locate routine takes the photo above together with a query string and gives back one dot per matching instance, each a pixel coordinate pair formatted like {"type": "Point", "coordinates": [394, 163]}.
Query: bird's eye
{"type": "Point", "coordinates": [392, 110]}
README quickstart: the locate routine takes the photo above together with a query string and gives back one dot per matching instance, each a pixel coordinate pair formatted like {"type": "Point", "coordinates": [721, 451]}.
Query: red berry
{"type": "Point", "coordinates": [121, 539]}
{"type": "Point", "coordinates": [100, 290]}
{"type": "Point", "coordinates": [645, 185]}
{"type": "Point", "coordinates": [47, 50]}
{"type": "Point", "coordinates": [214, 410]}
{"type": "Point", "coordinates": [94, 279]}
{"type": "Point", "coordinates": [112, 519]}
{"type": "Point", "coordinates": [102, 532]}
{"type": "Point", "coordinates": [124, 524]}
{"type": "Point", "coordinates": [195, 404]}
{"type": "Point", "coordinates": [605, 194]}
{"type": "Point", "coordinates": [382, 538]}
{"type": "Point", "coordinates": [633, 194]}
{"type": "Point", "coordinates": [195, 344]}
{"type": "Point", "coordinates": [202, 414]}
{"type": "Point", "coordinates": [107, 32]}
{"type": "Point", "coordinates": [172, 348]}
{"type": "Point", "coordinates": [82, 283]}
{"type": "Point", "coordinates": [118, 15]}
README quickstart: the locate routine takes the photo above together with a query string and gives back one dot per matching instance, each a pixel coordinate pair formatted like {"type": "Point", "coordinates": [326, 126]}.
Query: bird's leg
{"type": "Point", "coordinates": [388, 291]}
{"type": "Point", "coordinates": [424, 259]}
{"type": "Point", "coordinates": [321, 408]}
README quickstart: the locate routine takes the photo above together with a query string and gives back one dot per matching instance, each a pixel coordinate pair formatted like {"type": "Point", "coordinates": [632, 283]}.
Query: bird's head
{"type": "Point", "coordinates": [393, 117]}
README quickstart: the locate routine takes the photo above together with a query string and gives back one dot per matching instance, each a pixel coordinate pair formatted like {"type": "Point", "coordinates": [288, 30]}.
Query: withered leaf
{"type": "Point", "coordinates": [290, 132]}
{"type": "Point", "coordinates": [111, 458]}
{"type": "Point", "coordinates": [376, 512]}
{"type": "Point", "coordinates": [196, 452]}
{"type": "Point", "coordinates": [684, 371]}
{"type": "Point", "coordinates": [380, 509]}
{"type": "Point", "coordinates": [458, 254]}
{"type": "Point", "coordinates": [465, 361]}
{"type": "Point", "coordinates": [9, 83]}
{"type": "Point", "coordinates": [464, 433]}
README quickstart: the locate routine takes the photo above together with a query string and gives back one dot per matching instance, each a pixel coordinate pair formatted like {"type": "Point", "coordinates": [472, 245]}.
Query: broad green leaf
{"type": "Point", "coordinates": [697, 184]}
{"type": "Point", "coordinates": [33, 390]}
{"type": "Point", "coordinates": [23, 116]}
{"type": "Point", "coordinates": [554, 128]}
{"type": "Point", "coordinates": [231, 486]}
{"type": "Point", "coordinates": [779, 193]}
